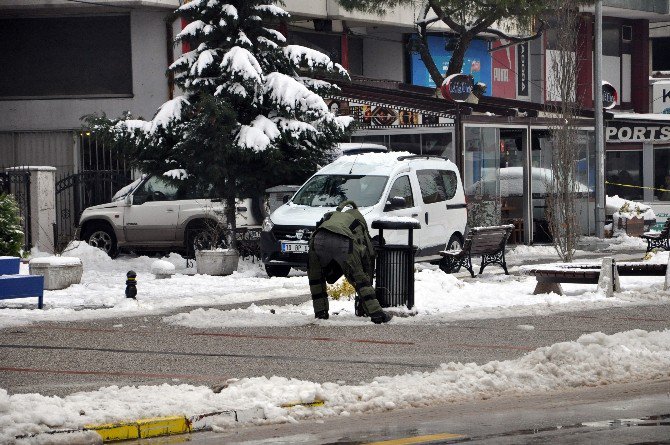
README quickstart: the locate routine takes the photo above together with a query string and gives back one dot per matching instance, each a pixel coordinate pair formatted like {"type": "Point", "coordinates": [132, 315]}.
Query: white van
{"type": "Point", "coordinates": [426, 188]}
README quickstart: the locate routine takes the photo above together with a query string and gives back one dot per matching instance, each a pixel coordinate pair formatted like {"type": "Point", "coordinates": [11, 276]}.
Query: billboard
{"type": "Point", "coordinates": [477, 62]}
{"type": "Point", "coordinates": [660, 98]}
{"type": "Point", "coordinates": [504, 78]}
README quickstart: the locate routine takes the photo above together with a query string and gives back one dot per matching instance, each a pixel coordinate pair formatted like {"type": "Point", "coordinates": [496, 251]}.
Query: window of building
{"type": "Point", "coordinates": [402, 188]}
{"type": "Point", "coordinates": [623, 174]}
{"type": "Point", "coordinates": [65, 57]}
{"type": "Point", "coordinates": [660, 48]}
{"type": "Point", "coordinates": [662, 174]}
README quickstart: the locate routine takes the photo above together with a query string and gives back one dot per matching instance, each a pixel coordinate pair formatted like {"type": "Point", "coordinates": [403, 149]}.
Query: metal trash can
{"type": "Point", "coordinates": [394, 271]}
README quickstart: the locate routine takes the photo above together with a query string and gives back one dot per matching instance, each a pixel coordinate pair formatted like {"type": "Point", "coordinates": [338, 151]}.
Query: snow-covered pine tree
{"type": "Point", "coordinates": [11, 232]}
{"type": "Point", "coordinates": [251, 108]}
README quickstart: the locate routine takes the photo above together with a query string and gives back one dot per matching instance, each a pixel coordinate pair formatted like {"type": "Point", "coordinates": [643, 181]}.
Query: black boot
{"type": "Point", "coordinates": [323, 315]}
{"type": "Point", "coordinates": [380, 317]}
{"type": "Point", "coordinates": [358, 307]}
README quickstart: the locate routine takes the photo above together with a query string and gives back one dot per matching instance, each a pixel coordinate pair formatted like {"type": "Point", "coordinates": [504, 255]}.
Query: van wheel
{"type": "Point", "coordinates": [455, 243]}
{"type": "Point", "coordinates": [102, 237]}
{"type": "Point", "coordinates": [277, 271]}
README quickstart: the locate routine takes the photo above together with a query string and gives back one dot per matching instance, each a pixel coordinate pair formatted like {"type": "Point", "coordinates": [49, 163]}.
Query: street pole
{"type": "Point", "coordinates": [598, 109]}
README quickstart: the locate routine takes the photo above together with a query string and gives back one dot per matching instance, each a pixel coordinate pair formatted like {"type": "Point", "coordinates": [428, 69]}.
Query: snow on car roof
{"type": "Point", "coordinates": [375, 163]}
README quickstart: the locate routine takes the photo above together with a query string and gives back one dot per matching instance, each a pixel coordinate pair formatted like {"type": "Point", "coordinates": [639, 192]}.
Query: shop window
{"type": "Point", "coordinates": [662, 174]}
{"type": "Point", "coordinates": [623, 174]}
{"type": "Point", "coordinates": [402, 188]}
{"type": "Point", "coordinates": [406, 142]}
{"type": "Point", "coordinates": [438, 144]}
{"type": "Point", "coordinates": [65, 57]}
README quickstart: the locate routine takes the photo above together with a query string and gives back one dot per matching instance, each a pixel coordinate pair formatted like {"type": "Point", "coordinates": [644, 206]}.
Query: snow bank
{"type": "Point", "coordinates": [594, 359]}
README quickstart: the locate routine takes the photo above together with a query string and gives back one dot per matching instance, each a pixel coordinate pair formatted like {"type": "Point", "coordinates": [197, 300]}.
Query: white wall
{"type": "Point", "coordinates": [149, 59]}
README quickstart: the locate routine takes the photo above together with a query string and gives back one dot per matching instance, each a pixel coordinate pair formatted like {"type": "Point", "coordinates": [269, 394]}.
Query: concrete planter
{"type": "Point", "coordinates": [216, 262]}
{"type": "Point", "coordinates": [58, 272]}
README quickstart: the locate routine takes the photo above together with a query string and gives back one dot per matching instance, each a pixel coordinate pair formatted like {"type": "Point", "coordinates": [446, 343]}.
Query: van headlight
{"type": "Point", "coordinates": [267, 224]}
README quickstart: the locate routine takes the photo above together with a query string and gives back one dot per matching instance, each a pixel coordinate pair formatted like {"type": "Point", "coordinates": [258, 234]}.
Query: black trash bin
{"type": "Point", "coordinates": [394, 283]}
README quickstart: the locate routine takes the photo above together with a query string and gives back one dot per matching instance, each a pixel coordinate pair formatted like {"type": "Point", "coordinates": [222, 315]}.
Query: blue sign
{"type": "Point", "coordinates": [477, 62]}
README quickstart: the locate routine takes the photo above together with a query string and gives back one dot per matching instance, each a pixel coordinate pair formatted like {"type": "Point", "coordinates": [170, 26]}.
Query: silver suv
{"type": "Point", "coordinates": [153, 214]}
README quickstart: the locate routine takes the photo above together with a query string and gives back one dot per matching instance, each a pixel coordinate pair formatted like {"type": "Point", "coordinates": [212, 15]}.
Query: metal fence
{"type": "Point", "coordinates": [16, 181]}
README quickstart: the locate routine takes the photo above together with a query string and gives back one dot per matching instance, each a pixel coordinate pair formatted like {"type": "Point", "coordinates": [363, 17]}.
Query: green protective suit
{"type": "Point", "coordinates": [327, 261]}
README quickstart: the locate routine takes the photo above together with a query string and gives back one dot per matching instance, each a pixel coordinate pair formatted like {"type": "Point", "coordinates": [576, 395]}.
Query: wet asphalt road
{"type": "Point", "coordinates": [61, 358]}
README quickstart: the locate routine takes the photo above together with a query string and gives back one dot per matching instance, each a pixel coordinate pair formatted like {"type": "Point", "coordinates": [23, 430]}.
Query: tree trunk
{"type": "Point", "coordinates": [427, 60]}
{"type": "Point", "coordinates": [458, 56]}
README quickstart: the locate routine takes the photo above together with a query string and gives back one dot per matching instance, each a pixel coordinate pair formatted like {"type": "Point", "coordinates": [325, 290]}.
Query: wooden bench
{"type": "Point", "coordinates": [550, 277]}
{"type": "Point", "coordinates": [489, 242]}
{"type": "Point", "coordinates": [22, 286]}
{"type": "Point", "coordinates": [655, 240]}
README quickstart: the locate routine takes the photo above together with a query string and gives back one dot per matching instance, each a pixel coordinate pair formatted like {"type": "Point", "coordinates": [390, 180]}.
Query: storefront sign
{"type": "Point", "coordinates": [625, 132]}
{"type": "Point", "coordinates": [477, 62]}
{"type": "Point", "coordinates": [522, 83]}
{"type": "Point", "coordinates": [610, 95]}
{"type": "Point", "coordinates": [661, 97]}
{"type": "Point", "coordinates": [504, 80]}
{"type": "Point", "coordinates": [385, 116]}
{"type": "Point", "coordinates": [457, 87]}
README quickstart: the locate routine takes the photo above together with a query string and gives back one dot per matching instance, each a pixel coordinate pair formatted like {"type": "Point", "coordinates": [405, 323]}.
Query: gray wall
{"type": "Point", "coordinates": [149, 59]}
{"type": "Point", "coordinates": [383, 57]}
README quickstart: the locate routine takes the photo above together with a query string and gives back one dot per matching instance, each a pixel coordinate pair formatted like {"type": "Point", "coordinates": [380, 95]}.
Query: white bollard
{"type": "Point", "coordinates": [608, 281]}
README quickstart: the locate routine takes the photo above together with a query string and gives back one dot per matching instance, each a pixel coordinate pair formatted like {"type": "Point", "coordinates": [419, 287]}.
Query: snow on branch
{"type": "Point", "coordinates": [178, 173]}
{"type": "Point", "coordinates": [312, 59]}
{"type": "Point", "coordinates": [291, 95]}
{"type": "Point", "coordinates": [276, 34]}
{"type": "Point", "coordinates": [190, 5]}
{"type": "Point", "coordinates": [169, 112]}
{"type": "Point", "coordinates": [239, 61]}
{"type": "Point", "coordinates": [186, 59]}
{"type": "Point", "coordinates": [259, 135]}
{"type": "Point", "coordinates": [205, 59]}
{"type": "Point", "coordinates": [272, 10]}
{"type": "Point", "coordinates": [230, 11]}
{"type": "Point", "coordinates": [192, 29]}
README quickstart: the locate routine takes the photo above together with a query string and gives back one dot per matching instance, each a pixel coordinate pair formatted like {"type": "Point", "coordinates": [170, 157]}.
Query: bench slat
{"type": "Point", "coordinates": [22, 286]}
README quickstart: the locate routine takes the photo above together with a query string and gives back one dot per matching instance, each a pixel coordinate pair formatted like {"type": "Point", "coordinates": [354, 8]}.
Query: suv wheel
{"type": "Point", "coordinates": [274, 270]}
{"type": "Point", "coordinates": [102, 237]}
{"type": "Point", "coordinates": [455, 243]}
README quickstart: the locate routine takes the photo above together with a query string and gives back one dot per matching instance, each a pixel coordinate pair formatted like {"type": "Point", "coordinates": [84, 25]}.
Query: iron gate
{"type": "Point", "coordinates": [76, 192]}
{"type": "Point", "coordinates": [16, 182]}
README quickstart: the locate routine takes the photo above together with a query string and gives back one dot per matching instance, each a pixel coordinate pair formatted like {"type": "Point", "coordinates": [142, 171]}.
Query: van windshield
{"type": "Point", "coordinates": [330, 190]}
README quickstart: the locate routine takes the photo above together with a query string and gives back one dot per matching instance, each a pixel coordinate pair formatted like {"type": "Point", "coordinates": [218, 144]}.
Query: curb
{"type": "Point", "coordinates": [159, 426]}
{"type": "Point", "coordinates": [169, 425]}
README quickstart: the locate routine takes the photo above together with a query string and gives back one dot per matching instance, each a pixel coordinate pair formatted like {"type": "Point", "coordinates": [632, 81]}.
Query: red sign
{"type": "Point", "coordinates": [457, 87]}
{"type": "Point", "coordinates": [504, 75]}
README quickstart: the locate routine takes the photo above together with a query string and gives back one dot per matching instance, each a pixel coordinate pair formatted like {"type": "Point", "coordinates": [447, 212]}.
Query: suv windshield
{"type": "Point", "coordinates": [330, 190]}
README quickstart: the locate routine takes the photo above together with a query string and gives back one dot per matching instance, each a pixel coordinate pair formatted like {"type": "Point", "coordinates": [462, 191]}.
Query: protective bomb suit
{"type": "Point", "coordinates": [341, 244]}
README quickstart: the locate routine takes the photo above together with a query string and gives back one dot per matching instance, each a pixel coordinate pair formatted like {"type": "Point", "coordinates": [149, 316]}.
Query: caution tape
{"type": "Point", "coordinates": [637, 186]}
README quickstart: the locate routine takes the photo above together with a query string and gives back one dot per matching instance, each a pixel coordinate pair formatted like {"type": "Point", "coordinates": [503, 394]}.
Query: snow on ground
{"type": "Point", "coordinates": [101, 293]}
{"type": "Point", "coordinates": [439, 297]}
{"type": "Point", "coordinates": [594, 359]}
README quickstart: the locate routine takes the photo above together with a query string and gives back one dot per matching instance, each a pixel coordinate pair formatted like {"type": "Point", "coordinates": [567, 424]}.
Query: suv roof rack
{"type": "Point", "coordinates": [358, 151]}
{"type": "Point", "coordinates": [402, 158]}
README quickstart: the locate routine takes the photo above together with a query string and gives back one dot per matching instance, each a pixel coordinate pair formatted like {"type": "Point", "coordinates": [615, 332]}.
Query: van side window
{"type": "Point", "coordinates": [402, 188]}
{"type": "Point", "coordinates": [450, 182]}
{"type": "Point", "coordinates": [432, 186]}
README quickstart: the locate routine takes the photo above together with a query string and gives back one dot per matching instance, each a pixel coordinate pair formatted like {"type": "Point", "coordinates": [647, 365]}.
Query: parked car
{"type": "Point", "coordinates": [153, 214]}
{"type": "Point", "coordinates": [427, 188]}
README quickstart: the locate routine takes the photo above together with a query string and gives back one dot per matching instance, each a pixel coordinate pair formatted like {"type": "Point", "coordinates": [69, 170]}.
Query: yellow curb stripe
{"type": "Point", "coordinates": [306, 404]}
{"type": "Point", "coordinates": [419, 439]}
{"type": "Point", "coordinates": [141, 429]}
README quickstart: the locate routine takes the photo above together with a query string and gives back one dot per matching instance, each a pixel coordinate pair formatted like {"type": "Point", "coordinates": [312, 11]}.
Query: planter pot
{"type": "Point", "coordinates": [216, 262]}
{"type": "Point", "coordinates": [58, 272]}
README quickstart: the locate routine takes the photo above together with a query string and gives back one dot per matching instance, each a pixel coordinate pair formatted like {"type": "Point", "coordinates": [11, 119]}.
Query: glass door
{"type": "Point", "coordinates": [481, 168]}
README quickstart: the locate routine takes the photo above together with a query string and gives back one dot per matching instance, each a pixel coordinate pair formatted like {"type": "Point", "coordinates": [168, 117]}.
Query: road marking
{"type": "Point", "coordinates": [419, 439]}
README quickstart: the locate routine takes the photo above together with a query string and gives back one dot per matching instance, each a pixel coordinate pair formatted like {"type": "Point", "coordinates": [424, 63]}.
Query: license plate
{"type": "Point", "coordinates": [300, 247]}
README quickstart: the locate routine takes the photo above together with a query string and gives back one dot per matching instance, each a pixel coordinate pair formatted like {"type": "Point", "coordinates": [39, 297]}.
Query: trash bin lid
{"type": "Point", "coordinates": [396, 223]}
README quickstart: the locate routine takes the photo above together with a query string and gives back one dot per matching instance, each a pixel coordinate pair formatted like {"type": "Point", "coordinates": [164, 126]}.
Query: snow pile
{"type": "Point", "coordinates": [594, 359]}
{"type": "Point", "coordinates": [625, 208]}
{"type": "Point", "coordinates": [162, 267]}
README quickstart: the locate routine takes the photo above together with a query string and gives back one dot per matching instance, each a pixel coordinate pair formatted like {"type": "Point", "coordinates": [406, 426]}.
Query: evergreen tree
{"type": "Point", "coordinates": [251, 111]}
{"type": "Point", "coordinates": [11, 232]}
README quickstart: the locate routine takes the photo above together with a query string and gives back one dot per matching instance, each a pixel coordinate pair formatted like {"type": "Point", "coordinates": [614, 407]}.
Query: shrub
{"type": "Point", "coordinates": [11, 233]}
{"type": "Point", "coordinates": [341, 289]}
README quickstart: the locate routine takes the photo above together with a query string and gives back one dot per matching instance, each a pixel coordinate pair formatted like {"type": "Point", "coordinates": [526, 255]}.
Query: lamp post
{"type": "Point", "coordinates": [599, 127]}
